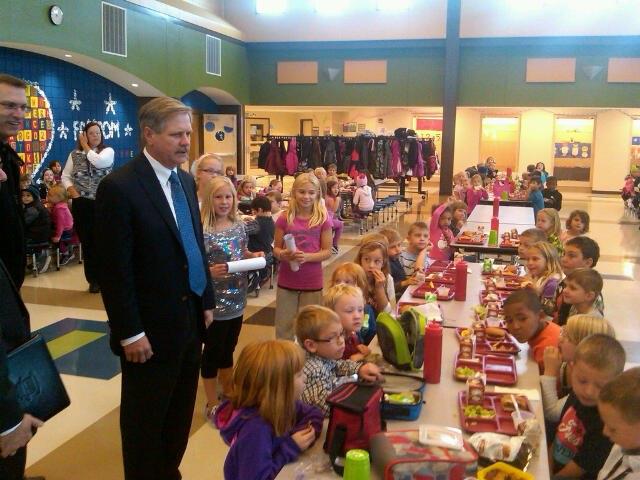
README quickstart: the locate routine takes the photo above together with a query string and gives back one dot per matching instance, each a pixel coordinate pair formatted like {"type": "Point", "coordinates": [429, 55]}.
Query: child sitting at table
{"type": "Point", "coordinates": [535, 194]}
{"type": "Point", "coordinates": [348, 302]}
{"type": "Point", "coordinates": [459, 187]}
{"type": "Point", "coordinates": [579, 449]}
{"type": "Point", "coordinates": [264, 422]}
{"type": "Point", "coordinates": [458, 216]}
{"type": "Point", "coordinates": [276, 204]}
{"type": "Point", "coordinates": [332, 170]}
{"type": "Point", "coordinates": [548, 220]}
{"type": "Point", "coordinates": [555, 380]}
{"type": "Point", "coordinates": [374, 259]}
{"type": "Point", "coordinates": [350, 273]}
{"type": "Point", "coordinates": [414, 257]}
{"type": "Point", "coordinates": [577, 224]}
{"type": "Point", "coordinates": [527, 322]}
{"type": "Point", "coordinates": [475, 193]}
{"type": "Point", "coordinates": [619, 408]}
{"type": "Point", "coordinates": [400, 279]}
{"type": "Point", "coordinates": [579, 252]}
{"type": "Point", "coordinates": [527, 239]}
{"type": "Point", "coordinates": [441, 234]}
{"type": "Point", "coordinates": [363, 201]}
{"type": "Point", "coordinates": [320, 333]}
{"type": "Point", "coordinates": [247, 189]}
{"type": "Point", "coordinates": [582, 287]}
{"type": "Point", "coordinates": [544, 272]}
{"type": "Point", "coordinates": [552, 197]}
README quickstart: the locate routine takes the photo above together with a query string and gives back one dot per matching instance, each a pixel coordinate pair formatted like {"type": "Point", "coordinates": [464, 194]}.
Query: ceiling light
{"type": "Point", "coordinates": [68, 55]}
{"type": "Point", "coordinates": [134, 84]}
{"type": "Point", "coordinates": [270, 7]}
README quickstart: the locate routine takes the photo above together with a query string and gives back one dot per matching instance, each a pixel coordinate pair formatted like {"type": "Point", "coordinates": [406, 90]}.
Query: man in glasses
{"type": "Point", "coordinates": [13, 103]}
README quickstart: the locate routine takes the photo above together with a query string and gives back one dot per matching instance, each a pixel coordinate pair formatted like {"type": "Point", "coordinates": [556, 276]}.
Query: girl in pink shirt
{"type": "Point", "coordinates": [60, 214]}
{"type": "Point", "coordinates": [307, 221]}
{"type": "Point", "coordinates": [475, 193]}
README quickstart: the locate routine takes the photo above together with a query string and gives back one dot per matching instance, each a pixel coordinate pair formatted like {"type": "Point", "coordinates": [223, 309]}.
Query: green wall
{"type": "Point", "coordinates": [163, 52]}
{"type": "Point", "coordinates": [414, 75]}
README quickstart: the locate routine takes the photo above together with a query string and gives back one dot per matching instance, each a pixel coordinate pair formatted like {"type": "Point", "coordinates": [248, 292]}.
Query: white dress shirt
{"type": "Point", "coordinates": [163, 173]}
{"type": "Point", "coordinates": [104, 159]}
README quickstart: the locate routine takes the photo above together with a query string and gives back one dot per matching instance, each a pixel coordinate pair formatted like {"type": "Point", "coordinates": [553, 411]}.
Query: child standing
{"type": "Point", "coordinates": [36, 217]}
{"type": "Point", "coordinates": [579, 449]}
{"type": "Point", "coordinates": [535, 195]}
{"type": "Point", "coordinates": [552, 197]}
{"type": "Point", "coordinates": [363, 201]}
{"type": "Point", "coordinates": [579, 252]}
{"type": "Point", "coordinates": [619, 408]}
{"type": "Point", "coordinates": [333, 203]}
{"type": "Point", "coordinates": [262, 239]}
{"type": "Point", "coordinates": [350, 273]}
{"type": "Point", "coordinates": [276, 204]}
{"type": "Point", "coordinates": [475, 193]}
{"type": "Point", "coordinates": [374, 259]}
{"type": "Point", "coordinates": [440, 233]}
{"type": "Point", "coordinates": [555, 380]}
{"type": "Point", "coordinates": [548, 220]}
{"type": "Point", "coordinates": [582, 287]}
{"type": "Point", "coordinates": [414, 257]}
{"type": "Point", "coordinates": [348, 302]}
{"type": "Point", "coordinates": [307, 221]}
{"type": "Point", "coordinates": [225, 241]}
{"type": "Point", "coordinates": [527, 322]}
{"type": "Point", "coordinates": [230, 172]}
{"type": "Point", "coordinates": [264, 422]}
{"type": "Point", "coordinates": [61, 220]}
{"type": "Point", "coordinates": [577, 224]}
{"type": "Point", "coordinates": [320, 333]}
{"type": "Point", "coordinates": [545, 272]}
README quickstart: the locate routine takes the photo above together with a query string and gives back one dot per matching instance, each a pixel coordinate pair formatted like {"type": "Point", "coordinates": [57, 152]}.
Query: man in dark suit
{"type": "Point", "coordinates": [15, 425]}
{"type": "Point", "coordinates": [156, 289]}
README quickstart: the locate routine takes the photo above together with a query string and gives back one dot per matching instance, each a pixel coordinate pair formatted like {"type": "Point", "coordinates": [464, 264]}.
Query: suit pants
{"type": "Point", "coordinates": [12, 468]}
{"type": "Point", "coordinates": [158, 397]}
{"type": "Point", "coordinates": [84, 213]}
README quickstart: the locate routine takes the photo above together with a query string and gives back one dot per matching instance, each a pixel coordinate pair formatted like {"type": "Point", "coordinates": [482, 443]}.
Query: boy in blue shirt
{"type": "Point", "coordinates": [535, 195]}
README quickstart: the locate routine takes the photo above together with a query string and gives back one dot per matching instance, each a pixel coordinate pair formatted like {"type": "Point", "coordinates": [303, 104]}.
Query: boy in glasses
{"type": "Point", "coordinates": [321, 334]}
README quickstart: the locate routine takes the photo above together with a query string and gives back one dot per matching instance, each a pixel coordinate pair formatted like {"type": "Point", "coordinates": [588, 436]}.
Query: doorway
{"type": "Point", "coordinates": [306, 127]}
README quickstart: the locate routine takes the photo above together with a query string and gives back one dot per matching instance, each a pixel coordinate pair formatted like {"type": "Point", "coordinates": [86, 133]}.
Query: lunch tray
{"type": "Point", "coordinates": [486, 347]}
{"type": "Point", "coordinates": [421, 290]}
{"type": "Point", "coordinates": [501, 423]}
{"type": "Point", "coordinates": [500, 369]}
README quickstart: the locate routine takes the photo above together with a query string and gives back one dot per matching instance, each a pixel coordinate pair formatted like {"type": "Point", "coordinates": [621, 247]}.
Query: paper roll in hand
{"type": "Point", "coordinates": [246, 265]}
{"type": "Point", "coordinates": [290, 243]}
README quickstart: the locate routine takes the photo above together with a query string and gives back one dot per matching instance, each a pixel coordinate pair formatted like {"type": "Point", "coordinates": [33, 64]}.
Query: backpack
{"type": "Point", "coordinates": [355, 415]}
{"type": "Point", "coordinates": [402, 339]}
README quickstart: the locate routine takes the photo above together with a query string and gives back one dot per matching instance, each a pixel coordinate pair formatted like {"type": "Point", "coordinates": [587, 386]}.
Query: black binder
{"type": "Point", "coordinates": [39, 388]}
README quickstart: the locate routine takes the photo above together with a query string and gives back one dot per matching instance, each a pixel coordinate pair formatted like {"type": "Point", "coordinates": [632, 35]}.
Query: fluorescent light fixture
{"type": "Point", "coordinates": [270, 7]}
{"type": "Point", "coordinates": [134, 85]}
{"type": "Point", "coordinates": [331, 7]}
{"type": "Point", "coordinates": [499, 121]}
{"type": "Point", "coordinates": [393, 5]}
{"type": "Point", "coordinates": [68, 55]}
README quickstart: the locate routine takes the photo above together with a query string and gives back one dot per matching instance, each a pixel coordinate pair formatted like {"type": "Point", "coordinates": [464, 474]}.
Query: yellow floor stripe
{"type": "Point", "coordinates": [71, 341]}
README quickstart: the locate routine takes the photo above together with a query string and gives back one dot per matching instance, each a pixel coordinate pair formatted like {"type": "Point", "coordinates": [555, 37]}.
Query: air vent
{"type": "Point", "coordinates": [214, 61]}
{"type": "Point", "coordinates": [114, 30]}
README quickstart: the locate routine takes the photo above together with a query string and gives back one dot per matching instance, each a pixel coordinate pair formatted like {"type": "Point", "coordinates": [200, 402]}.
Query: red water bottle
{"type": "Point", "coordinates": [432, 352]}
{"type": "Point", "coordinates": [496, 204]}
{"type": "Point", "coordinates": [461, 282]}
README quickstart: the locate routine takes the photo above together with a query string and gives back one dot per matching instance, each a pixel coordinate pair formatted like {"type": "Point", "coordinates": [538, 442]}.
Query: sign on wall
{"type": "Point", "coordinates": [220, 136]}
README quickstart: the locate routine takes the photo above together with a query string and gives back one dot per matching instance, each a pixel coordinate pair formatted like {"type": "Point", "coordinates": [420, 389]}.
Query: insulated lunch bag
{"type": "Point", "coordinates": [355, 415]}
{"type": "Point", "coordinates": [402, 340]}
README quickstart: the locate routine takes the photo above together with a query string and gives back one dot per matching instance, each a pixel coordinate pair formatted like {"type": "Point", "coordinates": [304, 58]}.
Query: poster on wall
{"type": "Point", "coordinates": [349, 127]}
{"type": "Point", "coordinates": [220, 136]}
{"type": "Point", "coordinates": [572, 150]}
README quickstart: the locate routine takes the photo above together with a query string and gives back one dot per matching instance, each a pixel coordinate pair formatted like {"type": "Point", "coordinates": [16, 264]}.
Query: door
{"type": "Point", "coordinates": [306, 127]}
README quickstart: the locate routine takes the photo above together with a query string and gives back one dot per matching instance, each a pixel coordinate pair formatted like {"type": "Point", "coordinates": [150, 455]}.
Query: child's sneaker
{"type": "Point", "coordinates": [334, 250]}
{"type": "Point", "coordinates": [66, 258]}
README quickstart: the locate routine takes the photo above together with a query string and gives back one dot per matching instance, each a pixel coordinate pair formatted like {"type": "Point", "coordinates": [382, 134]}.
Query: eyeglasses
{"type": "Point", "coordinates": [211, 171]}
{"type": "Point", "coordinates": [15, 106]}
{"type": "Point", "coordinates": [341, 335]}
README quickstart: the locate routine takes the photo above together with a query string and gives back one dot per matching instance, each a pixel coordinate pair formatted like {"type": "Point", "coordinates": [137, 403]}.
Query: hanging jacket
{"type": "Point", "coordinates": [263, 154]}
{"type": "Point", "coordinates": [412, 155]}
{"type": "Point", "coordinates": [440, 237]}
{"type": "Point", "coordinates": [404, 156]}
{"type": "Point", "coordinates": [291, 159]}
{"type": "Point", "coordinates": [271, 162]}
{"type": "Point", "coordinates": [433, 165]}
{"type": "Point", "coordinates": [315, 158]}
{"type": "Point", "coordinates": [305, 153]}
{"type": "Point", "coordinates": [329, 153]}
{"type": "Point", "coordinates": [342, 146]}
{"type": "Point", "coordinates": [378, 169]}
{"type": "Point", "coordinates": [396, 159]}
{"type": "Point", "coordinates": [419, 169]}
{"type": "Point", "coordinates": [354, 163]}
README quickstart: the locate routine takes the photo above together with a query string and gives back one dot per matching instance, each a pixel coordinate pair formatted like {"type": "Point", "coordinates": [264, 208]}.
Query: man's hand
{"type": "Point", "coordinates": [139, 351]}
{"type": "Point", "coordinates": [10, 443]}
{"type": "Point", "coordinates": [208, 318]}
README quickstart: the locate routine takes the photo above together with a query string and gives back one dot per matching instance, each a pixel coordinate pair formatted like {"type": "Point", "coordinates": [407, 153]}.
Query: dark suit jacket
{"type": "Point", "coordinates": [14, 331]}
{"type": "Point", "coordinates": [143, 268]}
{"type": "Point", "coordinates": [12, 239]}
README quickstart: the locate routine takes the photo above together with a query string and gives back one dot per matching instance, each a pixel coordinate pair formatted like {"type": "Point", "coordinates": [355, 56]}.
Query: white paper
{"type": "Point", "coordinates": [290, 243]}
{"type": "Point", "coordinates": [246, 265]}
{"type": "Point", "coordinates": [530, 393]}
